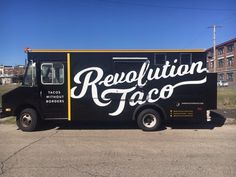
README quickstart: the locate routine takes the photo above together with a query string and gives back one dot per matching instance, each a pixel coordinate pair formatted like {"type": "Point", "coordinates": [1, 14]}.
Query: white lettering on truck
{"type": "Point", "coordinates": [140, 79]}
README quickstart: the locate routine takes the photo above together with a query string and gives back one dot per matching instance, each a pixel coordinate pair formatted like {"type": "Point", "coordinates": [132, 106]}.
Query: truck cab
{"type": "Point", "coordinates": [43, 82]}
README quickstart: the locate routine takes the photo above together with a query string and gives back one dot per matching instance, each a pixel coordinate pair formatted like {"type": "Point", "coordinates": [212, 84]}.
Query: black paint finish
{"type": "Point", "coordinates": [199, 97]}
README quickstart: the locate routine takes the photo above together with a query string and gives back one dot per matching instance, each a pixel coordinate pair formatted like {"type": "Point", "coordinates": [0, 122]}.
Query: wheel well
{"type": "Point", "coordinates": [22, 107]}
{"type": "Point", "coordinates": [151, 106]}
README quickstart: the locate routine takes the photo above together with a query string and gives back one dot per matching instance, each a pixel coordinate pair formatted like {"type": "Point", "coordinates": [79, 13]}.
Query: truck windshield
{"type": "Point", "coordinates": [30, 74]}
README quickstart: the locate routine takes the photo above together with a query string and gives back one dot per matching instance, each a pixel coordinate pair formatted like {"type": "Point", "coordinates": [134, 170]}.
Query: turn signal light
{"type": "Point", "coordinates": [8, 109]}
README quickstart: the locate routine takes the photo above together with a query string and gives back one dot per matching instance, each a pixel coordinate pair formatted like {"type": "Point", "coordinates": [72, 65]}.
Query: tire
{"type": "Point", "coordinates": [149, 120]}
{"type": "Point", "coordinates": [27, 120]}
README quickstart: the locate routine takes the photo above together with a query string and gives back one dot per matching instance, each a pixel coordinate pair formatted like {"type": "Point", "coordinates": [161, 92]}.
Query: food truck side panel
{"type": "Point", "coordinates": [86, 105]}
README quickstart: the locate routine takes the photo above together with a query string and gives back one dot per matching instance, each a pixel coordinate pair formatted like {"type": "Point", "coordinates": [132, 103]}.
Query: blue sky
{"type": "Point", "coordinates": [111, 24]}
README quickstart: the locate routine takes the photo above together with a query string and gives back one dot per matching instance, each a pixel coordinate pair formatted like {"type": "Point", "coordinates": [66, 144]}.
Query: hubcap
{"type": "Point", "coordinates": [26, 120]}
{"type": "Point", "coordinates": [149, 120]}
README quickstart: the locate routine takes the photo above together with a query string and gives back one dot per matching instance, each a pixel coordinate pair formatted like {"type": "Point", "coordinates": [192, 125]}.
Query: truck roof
{"type": "Point", "coordinates": [116, 50]}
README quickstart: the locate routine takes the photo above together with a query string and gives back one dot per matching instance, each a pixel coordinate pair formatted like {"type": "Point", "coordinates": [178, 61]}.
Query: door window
{"type": "Point", "coordinates": [52, 73]}
{"type": "Point", "coordinates": [30, 75]}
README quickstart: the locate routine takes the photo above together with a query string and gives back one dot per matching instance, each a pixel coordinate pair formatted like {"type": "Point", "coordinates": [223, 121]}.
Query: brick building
{"type": "Point", "coordinates": [1, 70]}
{"type": "Point", "coordinates": [225, 62]}
{"type": "Point", "coordinates": [19, 70]}
{"type": "Point", "coordinates": [8, 70]}
{"type": "Point", "coordinates": [10, 74]}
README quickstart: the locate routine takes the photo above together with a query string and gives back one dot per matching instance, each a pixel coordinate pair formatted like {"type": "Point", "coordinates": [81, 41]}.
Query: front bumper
{"type": "Point", "coordinates": [4, 114]}
{"type": "Point", "coordinates": [1, 113]}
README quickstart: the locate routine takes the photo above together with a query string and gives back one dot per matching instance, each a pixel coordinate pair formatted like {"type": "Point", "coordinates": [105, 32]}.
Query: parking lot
{"type": "Point", "coordinates": [117, 150]}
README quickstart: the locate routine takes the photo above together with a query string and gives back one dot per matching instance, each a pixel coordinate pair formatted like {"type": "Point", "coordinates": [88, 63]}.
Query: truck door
{"type": "Point", "coordinates": [53, 89]}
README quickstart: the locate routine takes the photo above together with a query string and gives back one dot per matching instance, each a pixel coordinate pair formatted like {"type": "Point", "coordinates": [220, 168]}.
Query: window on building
{"type": "Point", "coordinates": [230, 76]}
{"type": "Point", "coordinates": [221, 63]}
{"type": "Point", "coordinates": [220, 51]}
{"type": "Point", "coordinates": [220, 77]}
{"type": "Point", "coordinates": [212, 64]}
{"type": "Point", "coordinates": [230, 48]}
{"type": "Point", "coordinates": [230, 61]}
{"type": "Point", "coordinates": [210, 54]}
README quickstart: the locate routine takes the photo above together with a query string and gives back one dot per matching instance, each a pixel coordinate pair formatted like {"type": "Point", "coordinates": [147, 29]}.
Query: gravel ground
{"type": "Point", "coordinates": [118, 152]}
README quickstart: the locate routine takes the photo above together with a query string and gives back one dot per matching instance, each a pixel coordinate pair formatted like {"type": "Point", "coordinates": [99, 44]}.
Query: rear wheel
{"type": "Point", "coordinates": [27, 120]}
{"type": "Point", "coordinates": [149, 120]}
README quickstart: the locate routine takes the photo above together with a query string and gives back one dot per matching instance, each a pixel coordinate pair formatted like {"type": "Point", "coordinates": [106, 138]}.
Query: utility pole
{"type": "Point", "coordinates": [214, 44]}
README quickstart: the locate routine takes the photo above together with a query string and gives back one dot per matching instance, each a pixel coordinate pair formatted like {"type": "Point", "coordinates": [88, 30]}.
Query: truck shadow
{"type": "Point", "coordinates": [88, 125]}
{"type": "Point", "coordinates": [217, 120]}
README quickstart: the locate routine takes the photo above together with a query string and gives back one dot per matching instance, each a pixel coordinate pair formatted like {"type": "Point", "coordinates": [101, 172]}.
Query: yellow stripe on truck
{"type": "Point", "coordinates": [68, 88]}
{"type": "Point", "coordinates": [122, 50]}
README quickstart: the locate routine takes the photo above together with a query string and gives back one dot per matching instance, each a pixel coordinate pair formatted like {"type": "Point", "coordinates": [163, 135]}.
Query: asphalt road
{"type": "Point", "coordinates": [70, 152]}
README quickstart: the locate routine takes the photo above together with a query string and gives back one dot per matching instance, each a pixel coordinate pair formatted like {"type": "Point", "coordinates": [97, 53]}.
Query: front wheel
{"type": "Point", "coordinates": [27, 120]}
{"type": "Point", "coordinates": [149, 120]}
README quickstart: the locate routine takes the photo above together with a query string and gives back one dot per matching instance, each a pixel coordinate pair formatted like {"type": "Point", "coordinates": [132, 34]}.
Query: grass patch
{"type": "Point", "coordinates": [226, 98]}
{"type": "Point", "coordinates": [8, 120]}
{"type": "Point", "coordinates": [5, 89]}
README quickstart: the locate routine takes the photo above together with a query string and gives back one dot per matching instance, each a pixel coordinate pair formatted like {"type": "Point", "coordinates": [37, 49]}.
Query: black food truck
{"type": "Point", "coordinates": [146, 86]}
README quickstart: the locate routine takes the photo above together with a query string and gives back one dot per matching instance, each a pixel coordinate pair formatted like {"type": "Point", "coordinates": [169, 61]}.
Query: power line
{"type": "Point", "coordinates": [164, 6]}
